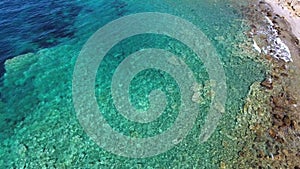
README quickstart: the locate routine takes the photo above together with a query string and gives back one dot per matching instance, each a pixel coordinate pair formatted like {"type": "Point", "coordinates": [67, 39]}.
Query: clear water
{"type": "Point", "coordinates": [39, 127]}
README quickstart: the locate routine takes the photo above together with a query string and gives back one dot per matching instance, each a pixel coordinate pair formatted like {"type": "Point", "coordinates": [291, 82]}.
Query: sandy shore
{"type": "Point", "coordinates": [290, 10]}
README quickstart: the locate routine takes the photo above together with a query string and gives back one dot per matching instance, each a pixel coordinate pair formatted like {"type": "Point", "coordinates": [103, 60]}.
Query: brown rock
{"type": "Point", "coordinates": [287, 121]}
{"type": "Point", "coordinates": [285, 152]}
{"type": "Point", "coordinates": [275, 75]}
{"type": "Point", "coordinates": [268, 57]}
{"type": "Point", "coordinates": [267, 84]}
{"type": "Point", "coordinates": [279, 102]}
{"type": "Point", "coordinates": [277, 123]}
{"type": "Point", "coordinates": [284, 73]}
{"type": "Point", "coordinates": [241, 154]}
{"type": "Point", "coordinates": [272, 133]}
{"type": "Point", "coordinates": [278, 157]}
{"type": "Point", "coordinates": [291, 100]}
{"type": "Point", "coordinates": [294, 124]}
{"type": "Point", "coordinates": [278, 113]}
{"type": "Point", "coordinates": [278, 116]}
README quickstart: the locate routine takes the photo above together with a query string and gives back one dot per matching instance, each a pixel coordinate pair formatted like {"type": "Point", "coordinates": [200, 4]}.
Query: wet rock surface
{"type": "Point", "coordinates": [267, 83]}
{"type": "Point", "coordinates": [270, 121]}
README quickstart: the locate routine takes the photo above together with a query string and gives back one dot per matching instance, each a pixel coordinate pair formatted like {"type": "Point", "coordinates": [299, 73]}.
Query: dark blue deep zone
{"type": "Point", "coordinates": [27, 26]}
{"type": "Point", "coordinates": [30, 25]}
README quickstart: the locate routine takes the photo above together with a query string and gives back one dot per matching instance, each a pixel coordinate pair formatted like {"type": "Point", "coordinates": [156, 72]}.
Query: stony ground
{"type": "Point", "coordinates": [272, 135]}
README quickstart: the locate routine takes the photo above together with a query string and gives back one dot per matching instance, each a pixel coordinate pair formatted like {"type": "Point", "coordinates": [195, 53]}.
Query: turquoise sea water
{"type": "Point", "coordinates": [39, 126]}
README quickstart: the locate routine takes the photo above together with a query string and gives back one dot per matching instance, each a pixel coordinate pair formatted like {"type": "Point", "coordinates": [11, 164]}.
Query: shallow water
{"type": "Point", "coordinates": [38, 120]}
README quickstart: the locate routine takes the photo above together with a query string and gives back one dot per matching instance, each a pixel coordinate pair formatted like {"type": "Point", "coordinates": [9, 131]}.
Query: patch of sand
{"type": "Point", "coordinates": [290, 10]}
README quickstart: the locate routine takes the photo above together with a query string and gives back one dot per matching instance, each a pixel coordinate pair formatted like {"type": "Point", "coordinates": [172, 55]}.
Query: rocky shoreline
{"type": "Point", "coordinates": [272, 112]}
{"type": "Point", "coordinates": [290, 11]}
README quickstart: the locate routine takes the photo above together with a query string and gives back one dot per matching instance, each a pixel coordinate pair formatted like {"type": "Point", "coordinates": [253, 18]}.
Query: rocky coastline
{"type": "Point", "coordinates": [272, 111]}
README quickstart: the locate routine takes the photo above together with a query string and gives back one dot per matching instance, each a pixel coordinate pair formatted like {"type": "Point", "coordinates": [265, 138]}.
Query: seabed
{"type": "Point", "coordinates": [258, 129]}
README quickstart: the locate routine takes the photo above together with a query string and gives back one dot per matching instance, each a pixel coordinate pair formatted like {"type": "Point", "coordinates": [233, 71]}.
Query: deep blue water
{"type": "Point", "coordinates": [30, 25]}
